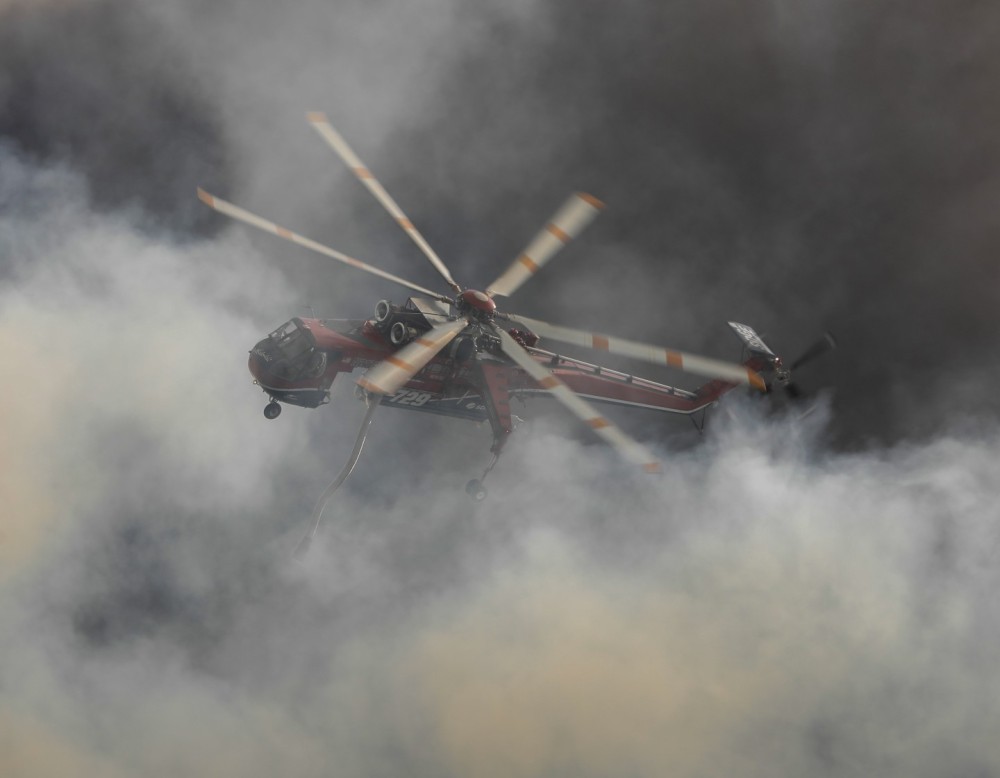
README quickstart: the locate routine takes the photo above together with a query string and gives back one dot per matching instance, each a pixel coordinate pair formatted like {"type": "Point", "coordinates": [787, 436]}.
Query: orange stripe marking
{"type": "Point", "coordinates": [598, 423]}
{"type": "Point", "coordinates": [406, 224]}
{"type": "Point", "coordinates": [396, 362]}
{"type": "Point", "coordinates": [591, 201]}
{"type": "Point", "coordinates": [316, 117]}
{"type": "Point", "coordinates": [363, 172]}
{"type": "Point", "coordinates": [368, 386]}
{"type": "Point", "coordinates": [426, 342]}
{"type": "Point", "coordinates": [549, 382]}
{"type": "Point", "coordinates": [206, 198]}
{"type": "Point", "coordinates": [601, 343]}
{"type": "Point", "coordinates": [674, 359]}
{"type": "Point", "coordinates": [529, 263]}
{"type": "Point", "coordinates": [756, 381]}
{"type": "Point", "coordinates": [558, 233]}
{"type": "Point", "coordinates": [283, 233]}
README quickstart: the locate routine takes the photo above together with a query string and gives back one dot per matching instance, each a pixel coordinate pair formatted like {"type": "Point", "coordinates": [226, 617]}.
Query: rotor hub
{"type": "Point", "coordinates": [781, 373]}
{"type": "Point", "coordinates": [477, 303]}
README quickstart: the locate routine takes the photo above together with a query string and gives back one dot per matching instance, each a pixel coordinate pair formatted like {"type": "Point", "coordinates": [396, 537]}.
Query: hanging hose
{"type": "Point", "coordinates": [372, 401]}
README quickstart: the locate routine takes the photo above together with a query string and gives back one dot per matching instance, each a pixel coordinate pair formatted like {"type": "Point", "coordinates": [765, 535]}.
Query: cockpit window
{"type": "Point", "coordinates": [287, 329]}
{"type": "Point", "coordinates": [297, 357]}
{"type": "Point", "coordinates": [291, 340]}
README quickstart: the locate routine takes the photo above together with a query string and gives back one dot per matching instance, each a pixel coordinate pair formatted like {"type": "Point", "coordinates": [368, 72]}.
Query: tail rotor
{"type": "Point", "coordinates": [822, 346]}
{"type": "Point", "coordinates": [762, 358]}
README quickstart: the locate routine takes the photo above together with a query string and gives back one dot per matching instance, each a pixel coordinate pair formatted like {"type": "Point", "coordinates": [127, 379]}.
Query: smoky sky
{"type": "Point", "coordinates": [99, 86]}
{"type": "Point", "coordinates": [800, 166]}
{"type": "Point", "coordinates": [798, 594]}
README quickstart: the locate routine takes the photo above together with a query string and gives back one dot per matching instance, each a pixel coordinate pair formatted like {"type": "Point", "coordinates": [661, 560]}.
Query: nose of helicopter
{"type": "Point", "coordinates": [257, 362]}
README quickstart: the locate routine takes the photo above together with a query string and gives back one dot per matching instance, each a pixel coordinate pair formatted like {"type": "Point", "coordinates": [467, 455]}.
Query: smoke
{"type": "Point", "coordinates": [95, 84]}
{"type": "Point", "coordinates": [795, 595]}
{"type": "Point", "coordinates": [799, 166]}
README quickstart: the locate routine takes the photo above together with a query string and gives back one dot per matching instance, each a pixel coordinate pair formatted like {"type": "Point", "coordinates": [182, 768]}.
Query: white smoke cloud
{"type": "Point", "coordinates": [106, 330]}
{"type": "Point", "coordinates": [763, 607]}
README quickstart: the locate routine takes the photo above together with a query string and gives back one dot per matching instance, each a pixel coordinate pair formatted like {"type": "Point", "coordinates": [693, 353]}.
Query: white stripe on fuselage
{"type": "Point", "coordinates": [609, 401]}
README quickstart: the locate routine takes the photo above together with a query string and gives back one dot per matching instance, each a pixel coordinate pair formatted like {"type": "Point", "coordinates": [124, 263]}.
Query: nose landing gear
{"type": "Point", "coordinates": [272, 410]}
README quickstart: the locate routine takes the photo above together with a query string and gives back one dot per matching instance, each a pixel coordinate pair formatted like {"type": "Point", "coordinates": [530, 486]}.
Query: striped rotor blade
{"type": "Point", "coordinates": [338, 144]}
{"type": "Point", "coordinates": [631, 449]}
{"type": "Point", "coordinates": [703, 366]}
{"type": "Point", "coordinates": [391, 373]}
{"type": "Point", "coordinates": [569, 222]}
{"type": "Point", "coordinates": [263, 224]}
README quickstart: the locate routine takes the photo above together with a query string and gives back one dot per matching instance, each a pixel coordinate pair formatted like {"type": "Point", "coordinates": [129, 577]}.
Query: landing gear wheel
{"type": "Point", "coordinates": [272, 410]}
{"type": "Point", "coordinates": [476, 490]}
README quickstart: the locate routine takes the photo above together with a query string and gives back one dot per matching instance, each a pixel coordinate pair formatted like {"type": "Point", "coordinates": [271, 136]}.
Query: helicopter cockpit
{"type": "Point", "coordinates": [290, 352]}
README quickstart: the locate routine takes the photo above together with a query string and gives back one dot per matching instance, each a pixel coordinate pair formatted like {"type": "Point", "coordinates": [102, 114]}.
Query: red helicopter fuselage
{"type": "Point", "coordinates": [470, 379]}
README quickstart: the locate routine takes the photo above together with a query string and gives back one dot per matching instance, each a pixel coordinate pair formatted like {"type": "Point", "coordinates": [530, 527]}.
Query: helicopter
{"type": "Point", "coordinates": [457, 354]}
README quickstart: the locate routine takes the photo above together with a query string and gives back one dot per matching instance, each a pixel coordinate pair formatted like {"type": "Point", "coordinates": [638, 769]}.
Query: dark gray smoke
{"type": "Point", "coordinates": [793, 597]}
{"type": "Point", "coordinates": [97, 85]}
{"type": "Point", "coordinates": [800, 166]}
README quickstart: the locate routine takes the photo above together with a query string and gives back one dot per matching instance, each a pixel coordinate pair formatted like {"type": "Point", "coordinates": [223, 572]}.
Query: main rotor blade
{"type": "Point", "coordinates": [395, 370]}
{"type": "Point", "coordinates": [631, 449]}
{"type": "Point", "coordinates": [338, 144]}
{"type": "Point", "coordinates": [569, 221]}
{"type": "Point", "coordinates": [242, 215]}
{"type": "Point", "coordinates": [703, 366]}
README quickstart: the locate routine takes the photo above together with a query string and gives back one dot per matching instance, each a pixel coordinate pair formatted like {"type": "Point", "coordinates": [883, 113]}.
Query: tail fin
{"type": "Point", "coordinates": [752, 340]}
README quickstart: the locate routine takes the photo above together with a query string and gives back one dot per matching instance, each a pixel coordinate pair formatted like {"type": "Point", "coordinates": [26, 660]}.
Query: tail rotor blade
{"type": "Point", "coordinates": [630, 449]}
{"type": "Point", "coordinates": [657, 355]}
{"type": "Point", "coordinates": [338, 144]}
{"type": "Point", "coordinates": [395, 370]}
{"type": "Point", "coordinates": [235, 212]}
{"type": "Point", "coordinates": [817, 349]}
{"type": "Point", "coordinates": [568, 222]}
